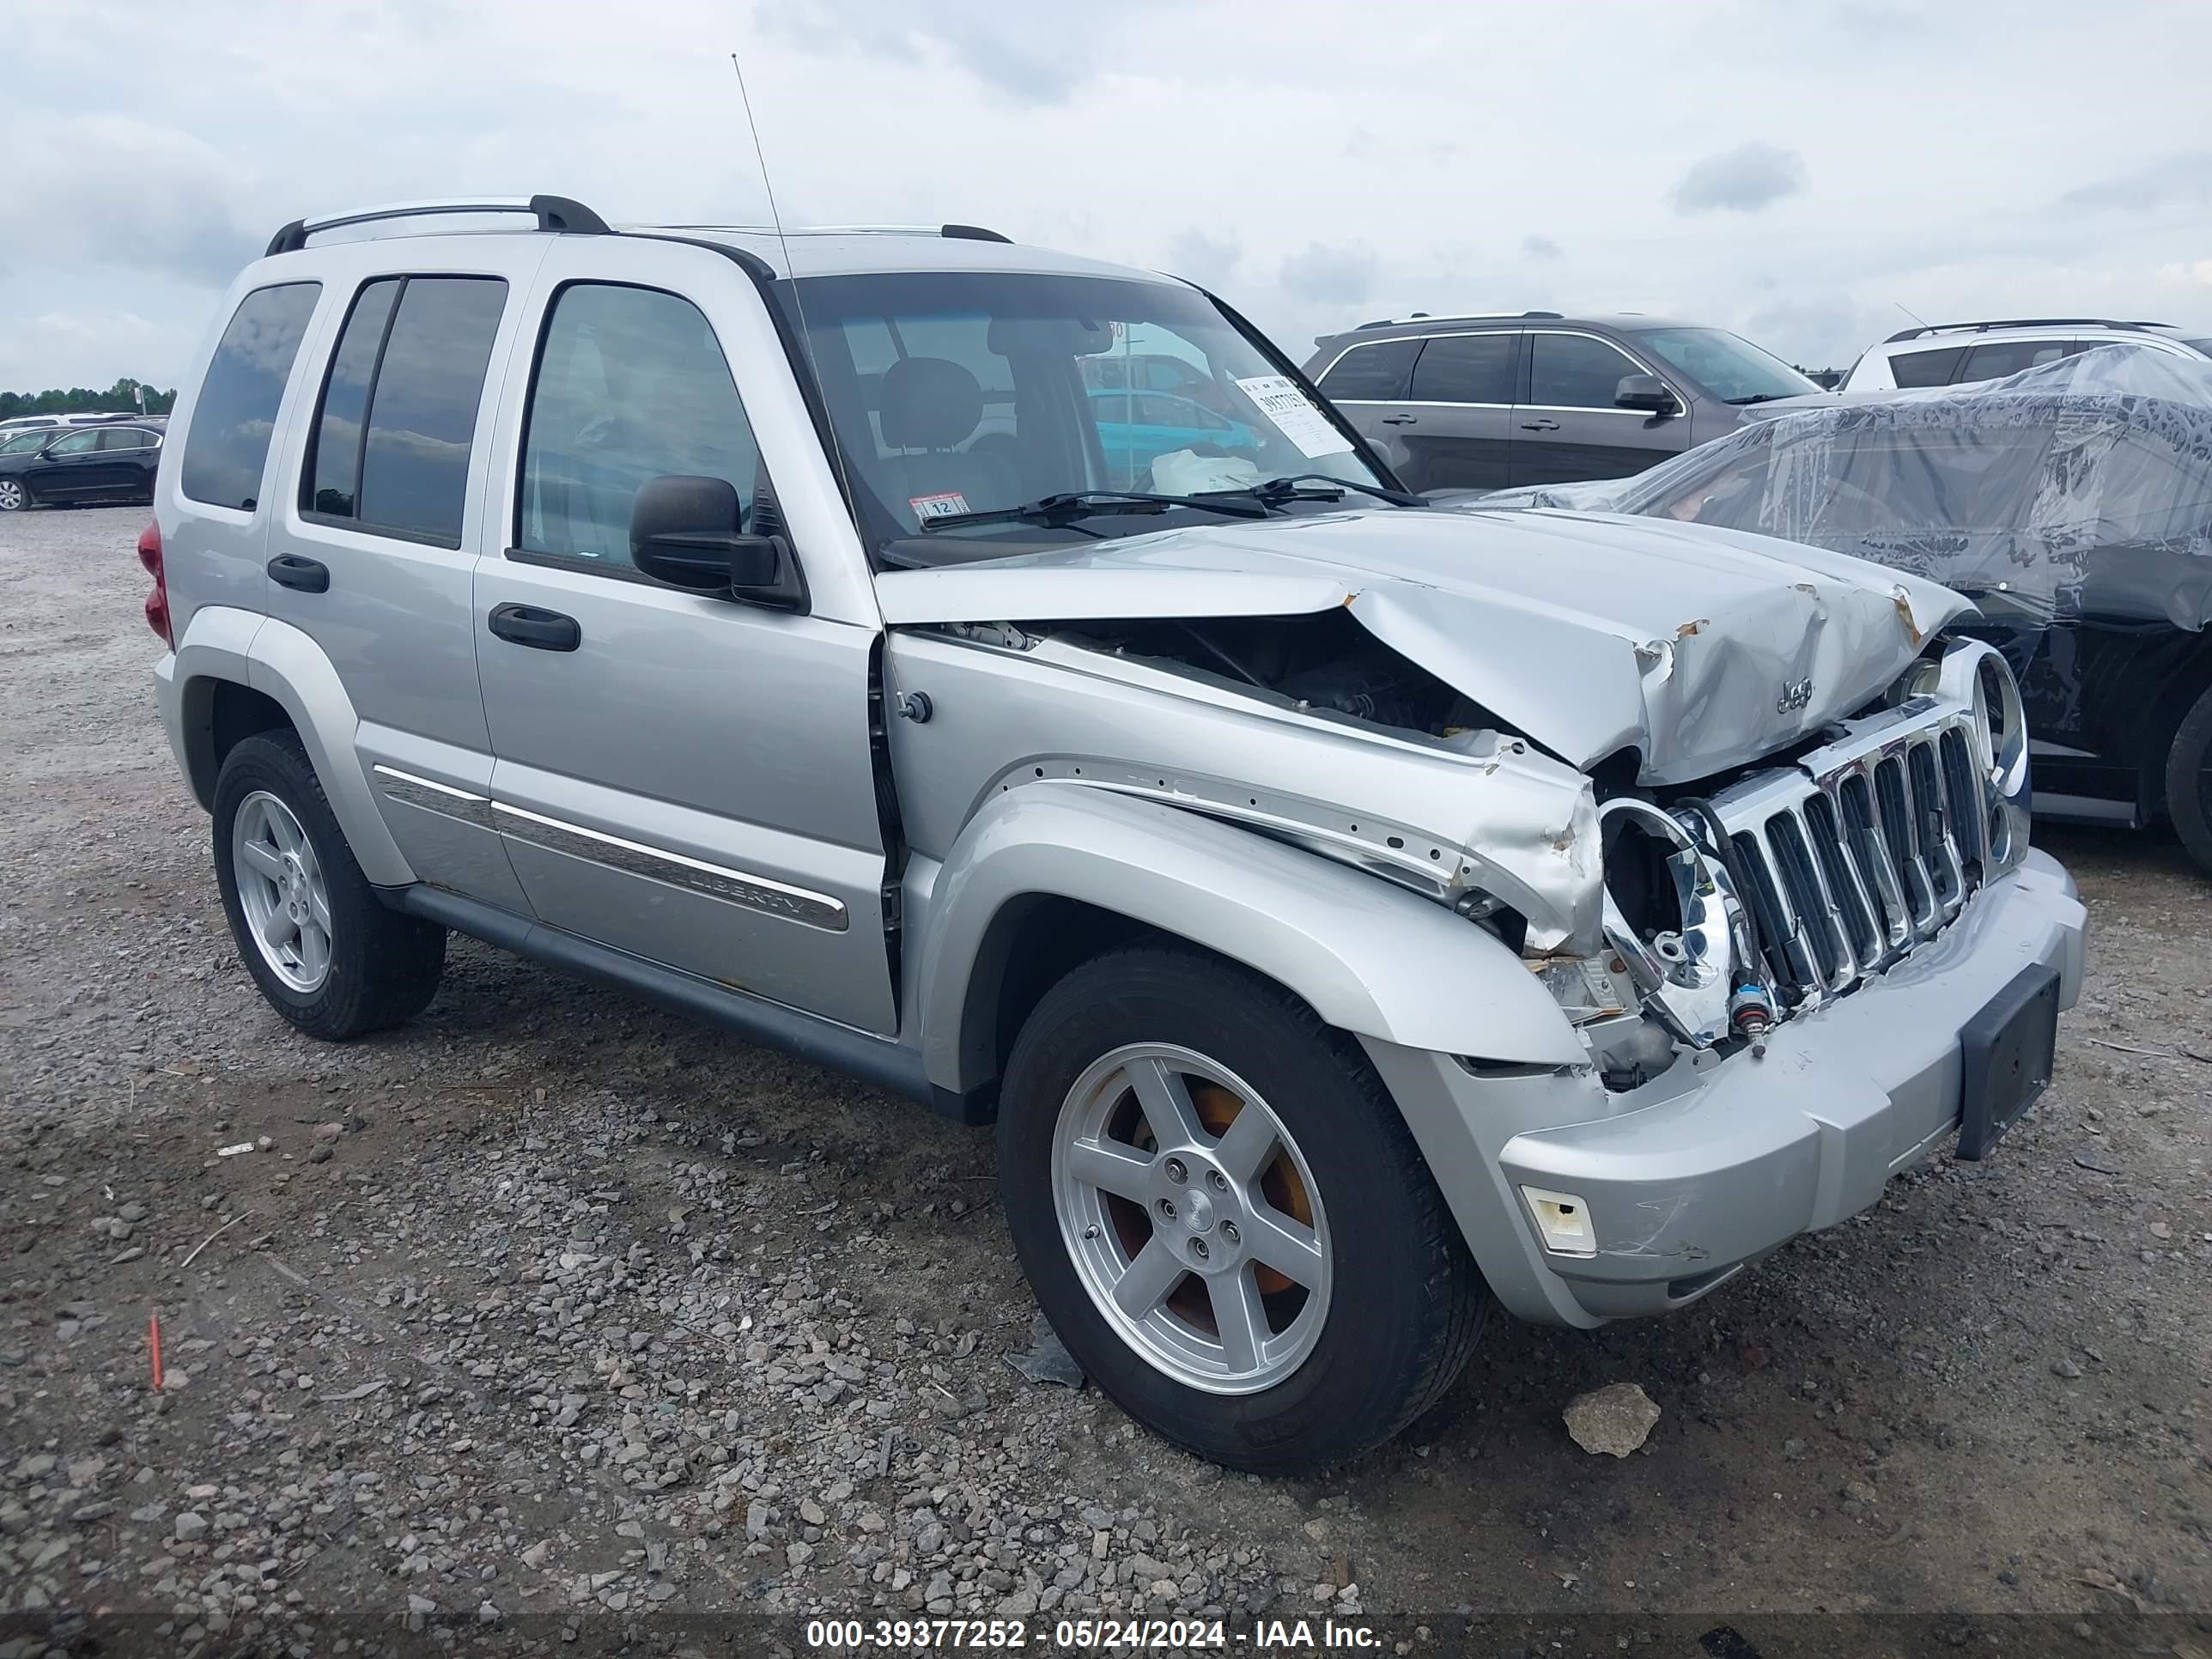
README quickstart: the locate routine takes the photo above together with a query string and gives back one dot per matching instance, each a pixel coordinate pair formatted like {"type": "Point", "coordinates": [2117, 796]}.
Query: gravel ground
{"type": "Point", "coordinates": [553, 1315]}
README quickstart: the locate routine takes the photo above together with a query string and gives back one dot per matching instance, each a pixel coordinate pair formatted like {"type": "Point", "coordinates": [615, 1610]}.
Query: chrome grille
{"type": "Point", "coordinates": [1862, 850]}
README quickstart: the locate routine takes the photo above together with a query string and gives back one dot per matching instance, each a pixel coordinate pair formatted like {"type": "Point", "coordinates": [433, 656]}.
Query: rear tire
{"type": "Point", "coordinates": [325, 952]}
{"type": "Point", "coordinates": [2189, 782]}
{"type": "Point", "coordinates": [1377, 1305]}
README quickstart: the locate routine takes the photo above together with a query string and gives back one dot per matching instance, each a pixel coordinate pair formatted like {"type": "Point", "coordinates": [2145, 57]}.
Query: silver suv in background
{"type": "Point", "coordinates": [1953, 354]}
{"type": "Point", "coordinates": [1487, 402]}
{"type": "Point", "coordinates": [1354, 915]}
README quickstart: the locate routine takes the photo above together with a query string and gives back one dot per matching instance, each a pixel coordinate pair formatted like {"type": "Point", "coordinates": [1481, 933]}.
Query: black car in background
{"type": "Point", "coordinates": [2072, 502]}
{"type": "Point", "coordinates": [104, 463]}
{"type": "Point", "coordinates": [1486, 402]}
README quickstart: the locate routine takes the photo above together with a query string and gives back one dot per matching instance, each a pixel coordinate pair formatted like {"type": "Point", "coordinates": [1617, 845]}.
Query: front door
{"type": "Point", "coordinates": [71, 469]}
{"type": "Point", "coordinates": [1568, 427]}
{"type": "Point", "coordinates": [688, 779]}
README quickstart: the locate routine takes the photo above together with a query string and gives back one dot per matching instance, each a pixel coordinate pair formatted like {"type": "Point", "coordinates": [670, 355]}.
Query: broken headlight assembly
{"type": "Point", "coordinates": [1677, 943]}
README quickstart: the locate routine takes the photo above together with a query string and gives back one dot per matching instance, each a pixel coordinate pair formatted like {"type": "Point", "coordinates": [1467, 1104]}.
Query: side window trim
{"type": "Point", "coordinates": [513, 549]}
{"type": "Point", "coordinates": [1528, 379]}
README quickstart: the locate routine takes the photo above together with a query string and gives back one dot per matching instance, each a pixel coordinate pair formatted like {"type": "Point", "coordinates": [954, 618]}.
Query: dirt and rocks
{"type": "Point", "coordinates": [553, 1315]}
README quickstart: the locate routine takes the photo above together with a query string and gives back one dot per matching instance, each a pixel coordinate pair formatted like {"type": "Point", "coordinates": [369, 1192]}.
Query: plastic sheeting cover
{"type": "Point", "coordinates": [2080, 489]}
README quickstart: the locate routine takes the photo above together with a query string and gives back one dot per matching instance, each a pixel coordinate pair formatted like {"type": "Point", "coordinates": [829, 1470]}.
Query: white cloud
{"type": "Point", "coordinates": [1314, 173]}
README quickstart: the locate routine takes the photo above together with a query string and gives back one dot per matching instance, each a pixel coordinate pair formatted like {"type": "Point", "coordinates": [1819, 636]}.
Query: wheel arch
{"type": "Point", "coordinates": [1049, 874]}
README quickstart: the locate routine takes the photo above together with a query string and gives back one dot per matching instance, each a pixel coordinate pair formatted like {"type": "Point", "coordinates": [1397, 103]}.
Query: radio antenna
{"type": "Point", "coordinates": [797, 302]}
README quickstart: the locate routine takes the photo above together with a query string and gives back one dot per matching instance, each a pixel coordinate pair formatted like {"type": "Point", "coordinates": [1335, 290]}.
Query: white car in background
{"type": "Point", "coordinates": [1952, 354]}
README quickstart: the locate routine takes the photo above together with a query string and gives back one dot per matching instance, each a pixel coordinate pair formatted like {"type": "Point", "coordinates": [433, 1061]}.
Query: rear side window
{"type": "Point", "coordinates": [398, 416]}
{"type": "Point", "coordinates": [1371, 374]}
{"type": "Point", "coordinates": [631, 386]}
{"type": "Point", "coordinates": [125, 437]}
{"type": "Point", "coordinates": [1988, 362]}
{"type": "Point", "coordinates": [1937, 368]}
{"type": "Point", "coordinates": [235, 415]}
{"type": "Point", "coordinates": [1465, 368]}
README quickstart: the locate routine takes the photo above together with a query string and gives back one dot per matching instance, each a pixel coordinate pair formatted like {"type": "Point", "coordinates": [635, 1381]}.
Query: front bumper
{"type": "Point", "coordinates": [1719, 1160]}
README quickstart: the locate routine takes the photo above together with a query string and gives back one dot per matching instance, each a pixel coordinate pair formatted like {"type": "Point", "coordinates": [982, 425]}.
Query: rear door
{"type": "Point", "coordinates": [688, 779]}
{"type": "Point", "coordinates": [1461, 399]}
{"type": "Point", "coordinates": [1567, 427]}
{"type": "Point", "coordinates": [132, 452]}
{"type": "Point", "coordinates": [376, 548]}
{"type": "Point", "coordinates": [1367, 382]}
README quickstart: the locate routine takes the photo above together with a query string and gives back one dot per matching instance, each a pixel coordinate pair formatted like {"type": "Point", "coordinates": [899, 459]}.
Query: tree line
{"type": "Point", "coordinates": [121, 398]}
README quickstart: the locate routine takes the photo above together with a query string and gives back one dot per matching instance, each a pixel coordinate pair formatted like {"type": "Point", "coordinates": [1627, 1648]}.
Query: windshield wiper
{"type": "Point", "coordinates": [1321, 487]}
{"type": "Point", "coordinates": [1762, 397]}
{"type": "Point", "coordinates": [1062, 510]}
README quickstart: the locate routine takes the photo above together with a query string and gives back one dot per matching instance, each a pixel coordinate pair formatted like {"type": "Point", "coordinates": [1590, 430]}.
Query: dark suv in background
{"type": "Point", "coordinates": [1484, 402]}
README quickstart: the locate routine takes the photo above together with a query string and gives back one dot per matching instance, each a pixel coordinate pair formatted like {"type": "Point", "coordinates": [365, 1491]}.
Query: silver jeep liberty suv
{"type": "Point", "coordinates": [998, 675]}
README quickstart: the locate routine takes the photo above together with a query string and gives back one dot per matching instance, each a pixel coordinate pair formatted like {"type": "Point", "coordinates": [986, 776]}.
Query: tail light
{"type": "Point", "coordinates": [157, 602]}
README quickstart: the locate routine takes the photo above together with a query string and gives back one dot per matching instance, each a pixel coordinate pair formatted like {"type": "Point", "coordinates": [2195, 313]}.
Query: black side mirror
{"type": "Point", "coordinates": [684, 531]}
{"type": "Point", "coordinates": [1645, 391]}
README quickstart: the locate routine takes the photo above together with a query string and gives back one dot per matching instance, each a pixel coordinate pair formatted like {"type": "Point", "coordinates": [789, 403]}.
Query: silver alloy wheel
{"type": "Point", "coordinates": [282, 891]}
{"type": "Point", "coordinates": [1183, 1231]}
{"type": "Point", "coordinates": [12, 497]}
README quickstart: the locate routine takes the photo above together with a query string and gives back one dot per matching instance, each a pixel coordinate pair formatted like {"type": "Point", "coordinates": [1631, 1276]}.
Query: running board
{"type": "Point", "coordinates": [891, 1067]}
{"type": "Point", "coordinates": [2084, 808]}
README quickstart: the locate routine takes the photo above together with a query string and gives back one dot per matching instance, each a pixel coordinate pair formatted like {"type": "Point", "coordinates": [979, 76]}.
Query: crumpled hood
{"type": "Point", "coordinates": [1588, 632]}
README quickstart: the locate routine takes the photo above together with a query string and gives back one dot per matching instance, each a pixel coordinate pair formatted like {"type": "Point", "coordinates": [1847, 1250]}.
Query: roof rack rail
{"type": "Point", "coordinates": [554, 212]}
{"type": "Point", "coordinates": [1984, 326]}
{"type": "Point", "coordinates": [1462, 317]}
{"type": "Point", "coordinates": [957, 233]}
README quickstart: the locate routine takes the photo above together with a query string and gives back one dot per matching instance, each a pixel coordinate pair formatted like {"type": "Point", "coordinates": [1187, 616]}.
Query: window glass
{"type": "Point", "coordinates": [1574, 371]}
{"type": "Point", "coordinates": [986, 404]}
{"type": "Point", "coordinates": [125, 437]}
{"type": "Point", "coordinates": [1912, 368]}
{"type": "Point", "coordinates": [235, 415]}
{"type": "Point", "coordinates": [1371, 374]}
{"type": "Point", "coordinates": [423, 405]}
{"type": "Point", "coordinates": [1465, 368]}
{"type": "Point", "coordinates": [2002, 357]}
{"type": "Point", "coordinates": [333, 474]}
{"type": "Point", "coordinates": [631, 386]}
{"type": "Point", "coordinates": [77, 443]}
{"type": "Point", "coordinates": [24, 443]}
{"type": "Point", "coordinates": [1727, 365]}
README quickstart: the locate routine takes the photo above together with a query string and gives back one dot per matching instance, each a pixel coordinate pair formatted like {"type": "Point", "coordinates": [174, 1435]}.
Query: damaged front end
{"type": "Point", "coordinates": [1787, 886]}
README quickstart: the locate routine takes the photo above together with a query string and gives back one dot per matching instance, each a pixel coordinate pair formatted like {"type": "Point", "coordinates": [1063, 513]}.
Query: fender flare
{"type": "Point", "coordinates": [282, 662]}
{"type": "Point", "coordinates": [1369, 957]}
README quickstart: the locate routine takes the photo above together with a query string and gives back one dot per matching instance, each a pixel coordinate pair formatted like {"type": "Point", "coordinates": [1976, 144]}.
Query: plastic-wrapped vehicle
{"type": "Point", "coordinates": [2072, 502]}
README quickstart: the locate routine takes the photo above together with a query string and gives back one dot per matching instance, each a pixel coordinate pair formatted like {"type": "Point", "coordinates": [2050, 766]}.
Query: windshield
{"type": "Point", "coordinates": [1727, 365]}
{"type": "Point", "coordinates": [955, 393]}
{"type": "Point", "coordinates": [13, 443]}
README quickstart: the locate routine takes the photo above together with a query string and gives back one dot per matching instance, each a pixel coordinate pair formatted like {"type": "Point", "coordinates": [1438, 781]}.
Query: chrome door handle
{"type": "Point", "coordinates": [1540, 426]}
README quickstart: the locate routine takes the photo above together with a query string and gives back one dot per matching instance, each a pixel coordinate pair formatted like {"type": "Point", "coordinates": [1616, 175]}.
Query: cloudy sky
{"type": "Point", "coordinates": [1794, 169]}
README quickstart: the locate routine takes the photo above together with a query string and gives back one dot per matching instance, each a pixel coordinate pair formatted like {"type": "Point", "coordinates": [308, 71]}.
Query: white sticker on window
{"type": "Point", "coordinates": [945, 504]}
{"type": "Point", "coordinates": [1293, 413]}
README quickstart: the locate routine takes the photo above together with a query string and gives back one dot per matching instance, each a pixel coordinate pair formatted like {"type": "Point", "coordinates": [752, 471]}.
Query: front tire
{"type": "Point", "coordinates": [1223, 1216]}
{"type": "Point", "coordinates": [14, 497]}
{"type": "Point", "coordinates": [326, 953]}
{"type": "Point", "coordinates": [2189, 782]}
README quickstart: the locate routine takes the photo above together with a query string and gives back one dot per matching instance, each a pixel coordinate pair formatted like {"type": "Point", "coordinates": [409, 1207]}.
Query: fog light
{"type": "Point", "coordinates": [1564, 1221]}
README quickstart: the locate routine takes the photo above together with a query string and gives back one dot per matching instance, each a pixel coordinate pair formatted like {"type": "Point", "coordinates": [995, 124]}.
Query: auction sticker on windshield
{"type": "Point", "coordinates": [1278, 398]}
{"type": "Point", "coordinates": [946, 504]}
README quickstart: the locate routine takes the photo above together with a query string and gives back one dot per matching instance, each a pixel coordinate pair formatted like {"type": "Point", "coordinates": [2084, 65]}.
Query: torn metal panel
{"type": "Point", "coordinates": [1574, 632]}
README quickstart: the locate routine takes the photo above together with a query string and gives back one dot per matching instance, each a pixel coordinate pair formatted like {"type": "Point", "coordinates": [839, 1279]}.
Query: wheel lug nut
{"type": "Point", "coordinates": [1198, 1249]}
{"type": "Point", "coordinates": [1176, 1173]}
{"type": "Point", "coordinates": [1229, 1231]}
{"type": "Point", "coordinates": [1217, 1181]}
{"type": "Point", "coordinates": [1167, 1209]}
